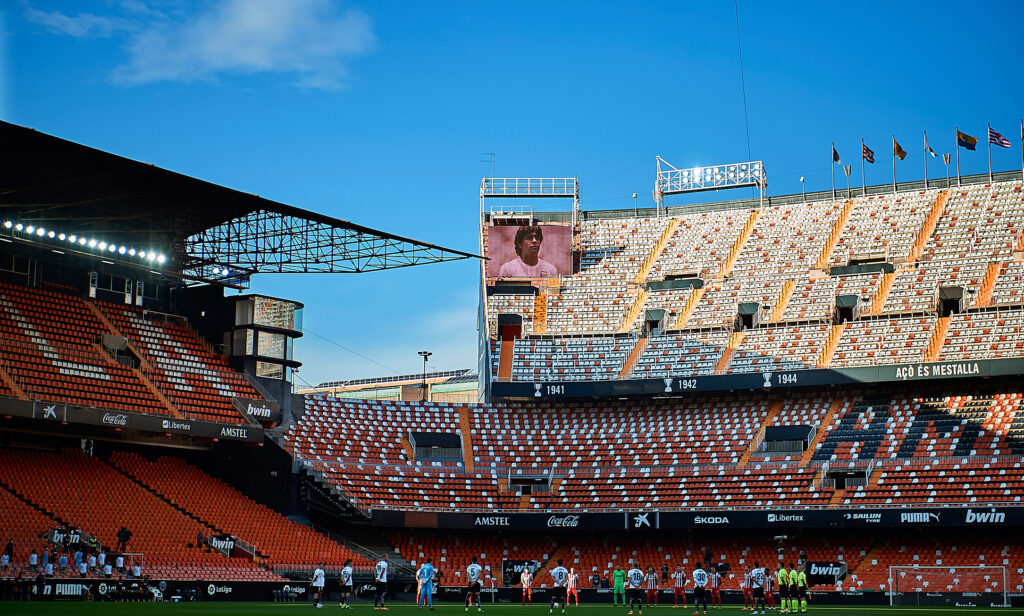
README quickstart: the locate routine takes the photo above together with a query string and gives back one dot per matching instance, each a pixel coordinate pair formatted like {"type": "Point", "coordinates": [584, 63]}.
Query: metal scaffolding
{"type": "Point", "coordinates": [296, 241]}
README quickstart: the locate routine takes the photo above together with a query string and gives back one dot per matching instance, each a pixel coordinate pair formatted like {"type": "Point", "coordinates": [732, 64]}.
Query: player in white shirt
{"type": "Point", "coordinates": [700, 582]}
{"type": "Point", "coordinates": [560, 575]}
{"type": "Point", "coordinates": [635, 588]}
{"type": "Point", "coordinates": [526, 579]}
{"type": "Point", "coordinates": [758, 576]}
{"type": "Point", "coordinates": [345, 586]}
{"type": "Point", "coordinates": [473, 572]}
{"type": "Point", "coordinates": [380, 580]}
{"type": "Point", "coordinates": [318, 581]}
{"type": "Point", "coordinates": [572, 586]}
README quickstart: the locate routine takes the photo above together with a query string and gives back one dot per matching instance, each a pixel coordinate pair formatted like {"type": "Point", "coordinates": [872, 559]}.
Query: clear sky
{"type": "Point", "coordinates": [379, 113]}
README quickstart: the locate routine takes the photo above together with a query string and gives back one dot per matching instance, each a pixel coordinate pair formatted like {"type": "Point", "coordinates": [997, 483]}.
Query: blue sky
{"type": "Point", "coordinates": [379, 113]}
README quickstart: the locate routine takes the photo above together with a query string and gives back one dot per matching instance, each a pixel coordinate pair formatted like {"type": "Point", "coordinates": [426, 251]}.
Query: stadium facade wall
{"type": "Point", "coordinates": [761, 381]}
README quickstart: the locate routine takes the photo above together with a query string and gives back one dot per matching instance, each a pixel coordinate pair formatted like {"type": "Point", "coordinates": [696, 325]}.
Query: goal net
{"type": "Point", "coordinates": [979, 586]}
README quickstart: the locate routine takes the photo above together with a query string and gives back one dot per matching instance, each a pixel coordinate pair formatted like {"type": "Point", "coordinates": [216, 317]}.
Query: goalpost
{"type": "Point", "coordinates": [980, 585]}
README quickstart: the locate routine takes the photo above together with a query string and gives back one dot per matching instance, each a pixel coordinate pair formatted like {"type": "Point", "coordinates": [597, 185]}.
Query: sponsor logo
{"type": "Point", "coordinates": [171, 424]}
{"type": "Point", "coordinates": [260, 412]}
{"type": "Point", "coordinates": [640, 519]}
{"type": "Point", "coordinates": [222, 544]}
{"type": "Point", "coordinates": [234, 432]}
{"type": "Point", "coordinates": [66, 589]}
{"type": "Point", "coordinates": [494, 520]}
{"type": "Point", "coordinates": [112, 419]}
{"type": "Point", "coordinates": [785, 517]}
{"type": "Point", "coordinates": [870, 518]}
{"type": "Point", "coordinates": [565, 521]}
{"type": "Point", "coordinates": [922, 371]}
{"type": "Point", "coordinates": [828, 570]}
{"type": "Point", "coordinates": [701, 519]}
{"type": "Point", "coordinates": [958, 604]}
{"type": "Point", "coordinates": [102, 588]}
{"type": "Point", "coordinates": [985, 517]}
{"type": "Point", "coordinates": [918, 517]}
{"type": "Point", "coordinates": [295, 589]}
{"type": "Point", "coordinates": [213, 589]}
{"type": "Point", "coordinates": [50, 412]}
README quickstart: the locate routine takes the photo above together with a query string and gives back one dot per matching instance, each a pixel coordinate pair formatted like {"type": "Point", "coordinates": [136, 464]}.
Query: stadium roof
{"type": "Point", "coordinates": [208, 231]}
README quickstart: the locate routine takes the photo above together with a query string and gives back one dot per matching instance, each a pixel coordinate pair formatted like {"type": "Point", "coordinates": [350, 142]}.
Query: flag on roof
{"type": "Point", "coordinates": [964, 140]}
{"type": "Point", "coordinates": [867, 153]}
{"type": "Point", "coordinates": [996, 139]}
{"type": "Point", "coordinates": [897, 150]}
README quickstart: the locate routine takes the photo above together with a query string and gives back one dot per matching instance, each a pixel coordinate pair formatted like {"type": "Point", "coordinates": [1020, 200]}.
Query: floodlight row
{"type": "Point", "coordinates": [82, 241]}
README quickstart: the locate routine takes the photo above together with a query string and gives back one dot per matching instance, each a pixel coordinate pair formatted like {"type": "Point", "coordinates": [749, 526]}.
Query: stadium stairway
{"type": "Point", "coordinates": [737, 247]}
{"type": "Point", "coordinates": [656, 251]}
{"type": "Point", "coordinates": [833, 409]}
{"type": "Point", "coordinates": [145, 367]}
{"type": "Point", "coordinates": [773, 412]}
{"type": "Point", "coordinates": [834, 236]}
{"type": "Point", "coordinates": [780, 305]}
{"type": "Point", "coordinates": [465, 427]}
{"type": "Point", "coordinates": [828, 351]}
{"type": "Point", "coordinates": [882, 293]}
{"type": "Point", "coordinates": [927, 228]}
{"type": "Point", "coordinates": [506, 359]}
{"type": "Point", "coordinates": [17, 495]}
{"type": "Point", "coordinates": [735, 340]}
{"type": "Point", "coordinates": [540, 315]}
{"type": "Point", "coordinates": [938, 338]}
{"type": "Point", "coordinates": [691, 305]}
{"type": "Point", "coordinates": [11, 385]}
{"type": "Point", "coordinates": [168, 501]}
{"type": "Point", "coordinates": [988, 284]}
{"type": "Point", "coordinates": [634, 311]}
{"type": "Point", "coordinates": [638, 349]}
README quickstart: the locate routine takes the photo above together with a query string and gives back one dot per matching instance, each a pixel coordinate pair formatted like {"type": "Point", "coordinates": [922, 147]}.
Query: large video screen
{"type": "Point", "coordinates": [537, 251]}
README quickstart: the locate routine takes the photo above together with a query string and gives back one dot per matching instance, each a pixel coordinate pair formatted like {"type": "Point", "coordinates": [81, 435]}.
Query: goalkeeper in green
{"type": "Point", "coordinates": [618, 586]}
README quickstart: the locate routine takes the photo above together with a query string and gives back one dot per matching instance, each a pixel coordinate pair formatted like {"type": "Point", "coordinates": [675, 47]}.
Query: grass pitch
{"type": "Point", "coordinates": [45, 608]}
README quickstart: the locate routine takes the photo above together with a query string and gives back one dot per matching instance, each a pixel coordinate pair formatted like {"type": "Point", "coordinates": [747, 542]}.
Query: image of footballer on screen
{"type": "Point", "coordinates": [528, 263]}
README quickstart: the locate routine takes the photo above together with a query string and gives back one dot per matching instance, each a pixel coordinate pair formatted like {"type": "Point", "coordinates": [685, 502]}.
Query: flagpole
{"type": "Point", "coordinates": [1022, 149]}
{"type": "Point", "coordinates": [988, 138]}
{"type": "Point", "coordinates": [956, 146]}
{"type": "Point", "coordinates": [863, 185]}
{"type": "Point", "coordinates": [925, 156]}
{"type": "Point", "coordinates": [833, 155]}
{"type": "Point", "coordinates": [894, 164]}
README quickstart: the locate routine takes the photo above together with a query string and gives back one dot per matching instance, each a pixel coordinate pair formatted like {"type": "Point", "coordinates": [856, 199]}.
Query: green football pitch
{"type": "Point", "coordinates": [441, 609]}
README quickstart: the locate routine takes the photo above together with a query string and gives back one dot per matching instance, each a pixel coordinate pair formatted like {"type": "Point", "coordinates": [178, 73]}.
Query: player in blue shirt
{"type": "Point", "coordinates": [425, 578]}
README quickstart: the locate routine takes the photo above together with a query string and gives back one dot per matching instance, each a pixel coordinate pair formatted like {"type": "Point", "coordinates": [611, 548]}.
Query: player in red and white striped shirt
{"type": "Point", "coordinates": [748, 599]}
{"type": "Point", "coordinates": [526, 579]}
{"type": "Point", "coordinates": [769, 589]}
{"type": "Point", "coordinates": [571, 584]}
{"type": "Point", "coordinates": [651, 583]}
{"type": "Point", "coordinates": [679, 581]}
{"type": "Point", "coordinates": [716, 590]}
